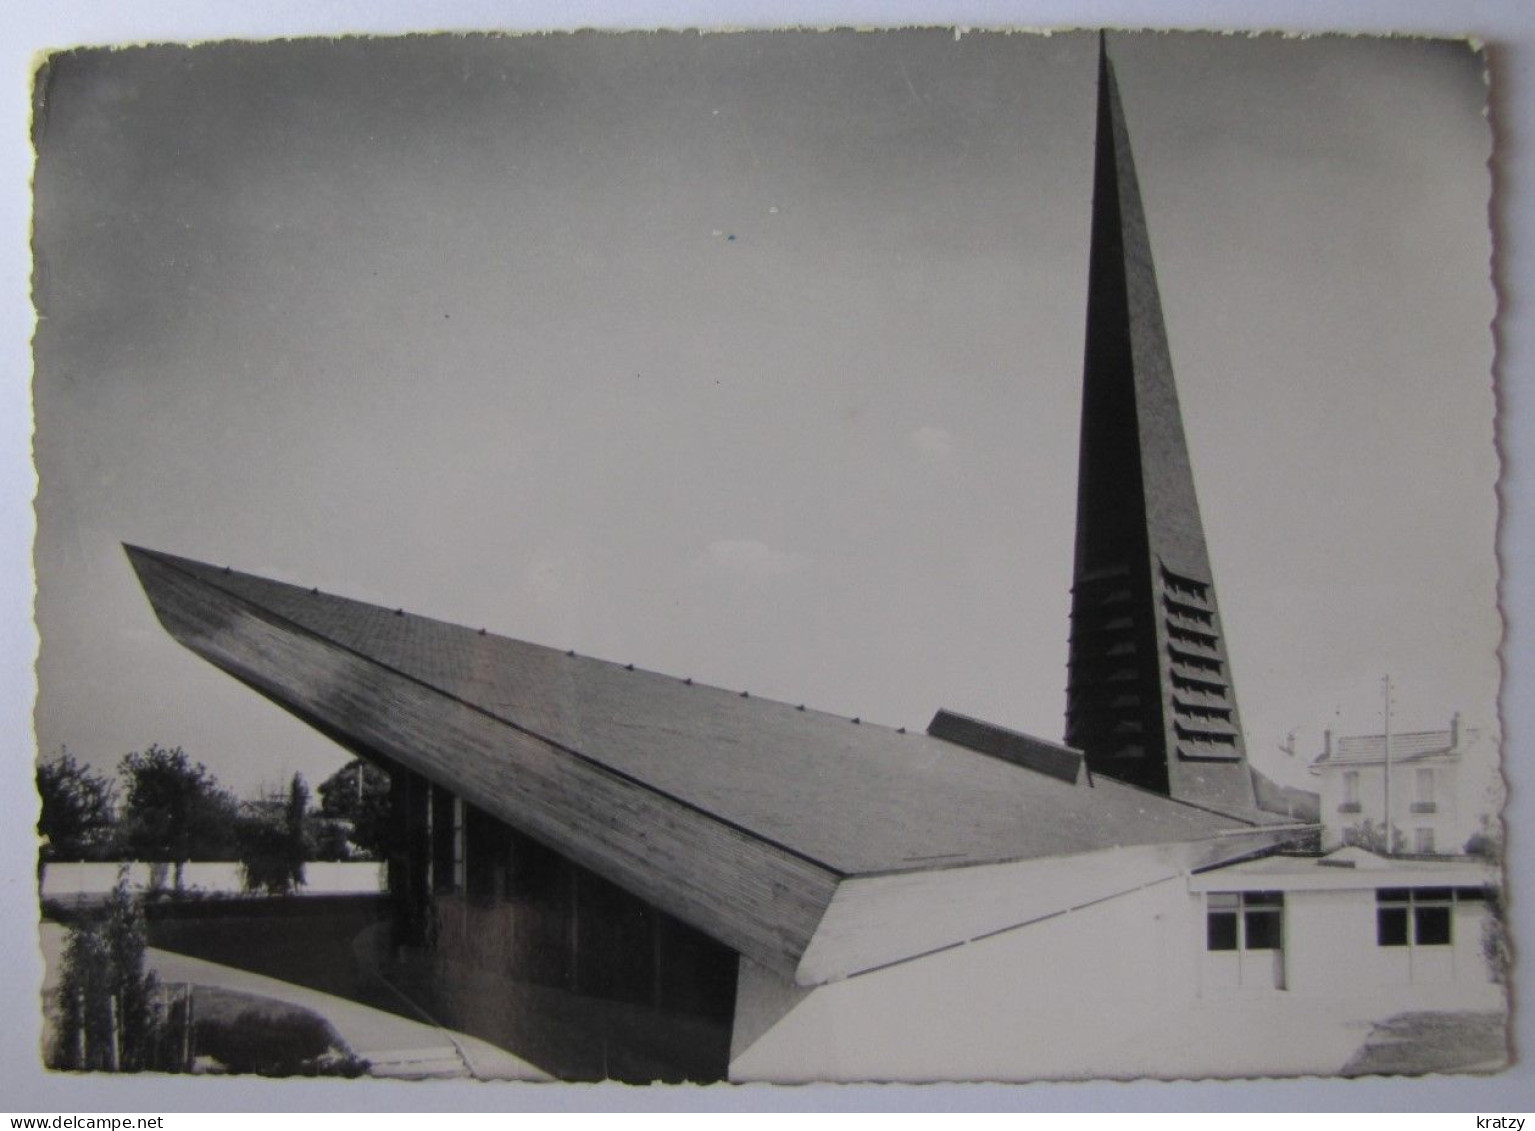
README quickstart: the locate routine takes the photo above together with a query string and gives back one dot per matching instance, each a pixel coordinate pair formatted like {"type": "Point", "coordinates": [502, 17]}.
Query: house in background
{"type": "Point", "coordinates": [620, 873]}
{"type": "Point", "coordinates": [1421, 776]}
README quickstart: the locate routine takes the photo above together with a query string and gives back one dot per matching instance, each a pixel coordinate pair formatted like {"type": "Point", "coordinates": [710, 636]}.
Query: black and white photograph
{"type": "Point", "coordinates": [776, 556]}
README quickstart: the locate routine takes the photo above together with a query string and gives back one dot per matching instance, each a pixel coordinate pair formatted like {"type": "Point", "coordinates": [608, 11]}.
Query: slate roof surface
{"type": "Point", "coordinates": [857, 797]}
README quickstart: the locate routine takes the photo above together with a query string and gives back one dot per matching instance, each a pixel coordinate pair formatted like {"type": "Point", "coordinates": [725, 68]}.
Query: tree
{"type": "Point", "coordinates": [274, 842]}
{"type": "Point", "coordinates": [109, 1017]}
{"type": "Point", "coordinates": [175, 811]}
{"type": "Point", "coordinates": [294, 817]}
{"type": "Point", "coordinates": [331, 838]}
{"type": "Point", "coordinates": [76, 819]}
{"type": "Point", "coordinates": [359, 793]}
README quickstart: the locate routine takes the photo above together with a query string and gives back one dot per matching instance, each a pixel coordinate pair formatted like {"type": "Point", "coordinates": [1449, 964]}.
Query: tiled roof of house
{"type": "Point", "coordinates": [1409, 746]}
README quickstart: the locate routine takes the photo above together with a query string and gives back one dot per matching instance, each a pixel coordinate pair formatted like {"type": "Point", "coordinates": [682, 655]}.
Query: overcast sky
{"type": "Point", "coordinates": [757, 359]}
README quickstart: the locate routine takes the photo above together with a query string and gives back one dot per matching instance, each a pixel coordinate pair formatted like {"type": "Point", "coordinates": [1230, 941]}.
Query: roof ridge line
{"type": "Point", "coordinates": [272, 616]}
{"type": "Point", "coordinates": [174, 561]}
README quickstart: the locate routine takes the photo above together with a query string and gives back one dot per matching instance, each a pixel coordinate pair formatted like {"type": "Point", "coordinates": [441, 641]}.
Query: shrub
{"type": "Point", "coordinates": [1495, 945]}
{"type": "Point", "coordinates": [294, 1042]}
{"type": "Point", "coordinates": [1372, 837]}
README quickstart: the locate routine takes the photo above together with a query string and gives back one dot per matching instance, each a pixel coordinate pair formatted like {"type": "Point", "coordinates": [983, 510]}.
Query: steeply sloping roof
{"type": "Point", "coordinates": [1409, 746]}
{"type": "Point", "coordinates": [736, 813]}
{"type": "Point", "coordinates": [1300, 804]}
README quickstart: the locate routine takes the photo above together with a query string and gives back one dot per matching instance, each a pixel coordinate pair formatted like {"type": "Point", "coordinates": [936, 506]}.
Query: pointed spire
{"type": "Point", "coordinates": [1150, 698]}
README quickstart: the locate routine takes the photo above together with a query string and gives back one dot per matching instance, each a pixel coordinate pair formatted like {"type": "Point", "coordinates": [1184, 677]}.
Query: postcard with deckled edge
{"type": "Point", "coordinates": [778, 556]}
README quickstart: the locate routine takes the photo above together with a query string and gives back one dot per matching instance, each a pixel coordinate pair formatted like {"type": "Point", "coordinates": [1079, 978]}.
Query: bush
{"type": "Point", "coordinates": [1487, 841]}
{"type": "Point", "coordinates": [1495, 945]}
{"type": "Point", "coordinates": [294, 1042]}
{"type": "Point", "coordinates": [1372, 837]}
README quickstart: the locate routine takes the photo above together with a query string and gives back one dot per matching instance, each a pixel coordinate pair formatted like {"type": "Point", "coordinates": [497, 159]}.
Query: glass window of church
{"type": "Point", "coordinates": [458, 843]}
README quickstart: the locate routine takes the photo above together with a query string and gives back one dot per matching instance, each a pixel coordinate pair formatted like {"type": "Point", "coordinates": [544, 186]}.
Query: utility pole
{"type": "Point", "coordinates": [1386, 694]}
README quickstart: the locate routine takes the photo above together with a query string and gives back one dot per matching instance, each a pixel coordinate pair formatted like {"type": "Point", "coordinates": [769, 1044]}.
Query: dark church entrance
{"type": "Point", "coordinates": [498, 936]}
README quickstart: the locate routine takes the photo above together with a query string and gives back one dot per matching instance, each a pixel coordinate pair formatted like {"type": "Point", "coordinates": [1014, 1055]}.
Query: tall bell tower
{"type": "Point", "coordinates": [1150, 698]}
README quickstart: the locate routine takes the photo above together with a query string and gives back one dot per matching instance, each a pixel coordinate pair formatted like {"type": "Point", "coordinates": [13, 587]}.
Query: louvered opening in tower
{"type": "Point", "coordinates": [1189, 708]}
{"type": "Point", "coordinates": [1186, 612]}
{"type": "Point", "coordinates": [1196, 661]}
{"type": "Point", "coordinates": [1201, 686]}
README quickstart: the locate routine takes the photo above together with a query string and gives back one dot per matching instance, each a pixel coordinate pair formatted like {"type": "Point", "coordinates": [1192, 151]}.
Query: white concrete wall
{"type": "Point", "coordinates": [1120, 989]}
{"type": "Point", "coordinates": [321, 878]}
{"type": "Point", "coordinates": [1331, 944]}
{"type": "Point", "coordinates": [1450, 832]}
{"type": "Point", "coordinates": [1449, 821]}
{"type": "Point", "coordinates": [1331, 952]}
{"type": "Point", "coordinates": [1081, 994]}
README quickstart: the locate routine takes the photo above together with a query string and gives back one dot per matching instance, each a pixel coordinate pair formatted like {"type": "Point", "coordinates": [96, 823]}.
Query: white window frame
{"type": "Point", "coordinates": [1351, 787]}
{"type": "Point", "coordinates": [1243, 905]}
{"type": "Point", "coordinates": [1423, 785]}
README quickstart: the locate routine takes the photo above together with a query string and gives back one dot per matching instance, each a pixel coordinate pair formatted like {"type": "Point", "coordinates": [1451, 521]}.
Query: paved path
{"type": "Point", "coordinates": [394, 1046]}
{"type": "Point", "coordinates": [1416, 1043]}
